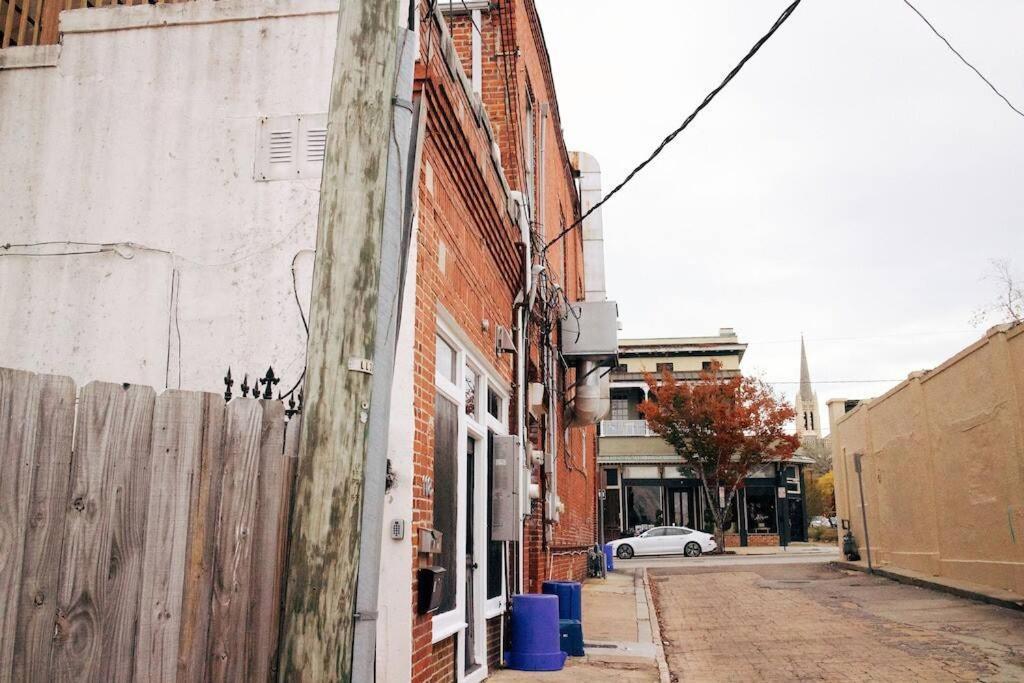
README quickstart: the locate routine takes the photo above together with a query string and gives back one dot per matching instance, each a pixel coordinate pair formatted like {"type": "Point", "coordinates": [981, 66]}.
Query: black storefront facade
{"type": "Point", "coordinates": [769, 509]}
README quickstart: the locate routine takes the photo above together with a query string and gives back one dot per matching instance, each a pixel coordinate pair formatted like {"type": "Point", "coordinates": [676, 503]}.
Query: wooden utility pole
{"type": "Point", "coordinates": [324, 555]}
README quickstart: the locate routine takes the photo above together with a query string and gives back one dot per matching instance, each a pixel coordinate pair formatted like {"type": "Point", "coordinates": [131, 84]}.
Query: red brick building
{"type": "Point", "coordinates": [496, 186]}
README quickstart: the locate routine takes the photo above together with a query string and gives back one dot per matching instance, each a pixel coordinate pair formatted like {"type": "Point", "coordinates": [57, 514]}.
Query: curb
{"type": "Point", "coordinates": [977, 596]}
{"type": "Point", "coordinates": [659, 651]}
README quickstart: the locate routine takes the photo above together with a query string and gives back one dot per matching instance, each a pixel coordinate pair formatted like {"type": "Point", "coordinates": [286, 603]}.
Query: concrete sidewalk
{"type": "Point", "coordinates": [619, 633]}
{"type": "Point", "coordinates": [944, 584]}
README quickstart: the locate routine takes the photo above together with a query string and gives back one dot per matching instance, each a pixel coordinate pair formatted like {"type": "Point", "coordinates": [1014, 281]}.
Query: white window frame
{"type": "Point", "coordinates": [475, 426]}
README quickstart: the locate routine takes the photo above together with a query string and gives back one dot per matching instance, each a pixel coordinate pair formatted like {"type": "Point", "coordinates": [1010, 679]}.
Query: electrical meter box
{"type": "Point", "coordinates": [590, 331]}
{"type": "Point", "coordinates": [505, 485]}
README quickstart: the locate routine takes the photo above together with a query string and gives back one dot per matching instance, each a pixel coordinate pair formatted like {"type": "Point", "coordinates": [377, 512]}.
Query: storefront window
{"type": "Point", "coordinates": [444, 359]}
{"type": "Point", "coordinates": [493, 404]}
{"type": "Point", "coordinates": [644, 506]}
{"type": "Point", "coordinates": [446, 486]}
{"type": "Point", "coordinates": [472, 382]}
{"type": "Point", "coordinates": [494, 565]}
{"type": "Point", "coordinates": [761, 518]}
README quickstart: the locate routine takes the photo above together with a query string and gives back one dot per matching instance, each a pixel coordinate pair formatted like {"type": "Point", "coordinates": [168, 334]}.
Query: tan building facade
{"type": "Point", "coordinates": [942, 466]}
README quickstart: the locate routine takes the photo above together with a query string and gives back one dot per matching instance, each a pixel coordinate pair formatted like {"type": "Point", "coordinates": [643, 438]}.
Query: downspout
{"type": "Point", "coordinates": [549, 513]}
{"type": "Point", "coordinates": [522, 317]}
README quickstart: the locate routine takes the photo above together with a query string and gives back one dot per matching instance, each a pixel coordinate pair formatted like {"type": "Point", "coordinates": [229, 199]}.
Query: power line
{"type": "Point", "coordinates": [933, 333]}
{"type": "Point", "coordinates": [840, 381]}
{"type": "Point", "coordinates": [672, 136]}
{"type": "Point", "coordinates": [962, 59]}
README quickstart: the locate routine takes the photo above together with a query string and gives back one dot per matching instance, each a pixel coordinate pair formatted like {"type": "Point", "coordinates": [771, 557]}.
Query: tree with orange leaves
{"type": "Point", "coordinates": [723, 427]}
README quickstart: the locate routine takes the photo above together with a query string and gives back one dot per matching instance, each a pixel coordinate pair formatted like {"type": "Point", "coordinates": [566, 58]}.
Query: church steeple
{"type": "Point", "coordinates": [808, 425]}
{"type": "Point", "coordinates": [805, 374]}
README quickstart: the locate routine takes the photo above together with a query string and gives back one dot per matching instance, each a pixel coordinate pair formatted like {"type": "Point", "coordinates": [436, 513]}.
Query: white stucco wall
{"type": "Point", "coordinates": [147, 135]}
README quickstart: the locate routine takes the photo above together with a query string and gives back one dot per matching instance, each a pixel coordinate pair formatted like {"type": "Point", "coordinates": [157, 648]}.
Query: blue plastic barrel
{"type": "Point", "coordinates": [535, 636]}
{"type": "Point", "coordinates": [570, 598]}
{"type": "Point", "coordinates": [609, 563]}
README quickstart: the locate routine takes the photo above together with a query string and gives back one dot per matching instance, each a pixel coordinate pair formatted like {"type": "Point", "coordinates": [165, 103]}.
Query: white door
{"type": "Point", "coordinates": [655, 542]}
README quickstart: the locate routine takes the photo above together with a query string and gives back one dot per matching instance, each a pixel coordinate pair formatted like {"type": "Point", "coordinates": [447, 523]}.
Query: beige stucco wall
{"type": "Point", "coordinates": [943, 466]}
{"type": "Point", "coordinates": [679, 363]}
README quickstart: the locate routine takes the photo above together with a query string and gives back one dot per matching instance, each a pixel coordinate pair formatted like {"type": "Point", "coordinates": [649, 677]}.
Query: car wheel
{"type": "Point", "coordinates": [624, 552]}
{"type": "Point", "coordinates": [691, 549]}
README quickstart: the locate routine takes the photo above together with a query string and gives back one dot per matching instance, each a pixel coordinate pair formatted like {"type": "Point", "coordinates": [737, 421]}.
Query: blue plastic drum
{"type": "Point", "coordinates": [535, 636]}
{"type": "Point", "coordinates": [570, 598]}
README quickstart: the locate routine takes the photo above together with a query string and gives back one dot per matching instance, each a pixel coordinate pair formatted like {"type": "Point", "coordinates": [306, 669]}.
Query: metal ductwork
{"type": "Point", "coordinates": [591, 402]}
{"type": "Point", "coordinates": [590, 332]}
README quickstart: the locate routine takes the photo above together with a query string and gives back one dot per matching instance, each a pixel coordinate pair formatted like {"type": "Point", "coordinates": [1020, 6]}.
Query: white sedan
{"type": "Point", "coordinates": [665, 540]}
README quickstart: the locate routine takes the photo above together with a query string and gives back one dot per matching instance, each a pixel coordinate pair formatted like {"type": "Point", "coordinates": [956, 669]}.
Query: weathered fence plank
{"type": "Point", "coordinates": [104, 535]}
{"type": "Point", "coordinates": [232, 585]}
{"type": "Point", "coordinates": [18, 403]}
{"type": "Point", "coordinates": [154, 549]}
{"type": "Point", "coordinates": [41, 560]}
{"type": "Point", "coordinates": [271, 537]}
{"type": "Point", "coordinates": [176, 456]}
{"type": "Point", "coordinates": [204, 507]}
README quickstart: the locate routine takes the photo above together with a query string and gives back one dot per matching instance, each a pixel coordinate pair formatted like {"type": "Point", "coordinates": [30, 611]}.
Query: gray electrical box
{"type": "Point", "coordinates": [590, 331]}
{"type": "Point", "coordinates": [505, 488]}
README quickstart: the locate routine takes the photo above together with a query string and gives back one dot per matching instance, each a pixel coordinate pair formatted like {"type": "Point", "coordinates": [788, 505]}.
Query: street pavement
{"type": "Point", "coordinates": [775, 619]}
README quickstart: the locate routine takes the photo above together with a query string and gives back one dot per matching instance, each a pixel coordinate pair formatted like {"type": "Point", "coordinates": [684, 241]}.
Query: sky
{"type": "Point", "coordinates": [852, 183]}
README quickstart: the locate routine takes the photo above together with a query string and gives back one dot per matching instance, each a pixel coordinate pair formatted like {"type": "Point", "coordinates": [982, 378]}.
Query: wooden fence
{"type": "Point", "coordinates": [142, 537]}
{"type": "Point", "coordinates": [35, 22]}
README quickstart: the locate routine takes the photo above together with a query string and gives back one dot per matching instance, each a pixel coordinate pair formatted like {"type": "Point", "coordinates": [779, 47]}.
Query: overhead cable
{"type": "Point", "coordinates": [672, 136]}
{"type": "Point", "coordinates": [962, 59]}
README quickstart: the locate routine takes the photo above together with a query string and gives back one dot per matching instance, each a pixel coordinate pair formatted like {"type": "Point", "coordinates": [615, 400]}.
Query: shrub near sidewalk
{"type": "Point", "coordinates": [823, 534]}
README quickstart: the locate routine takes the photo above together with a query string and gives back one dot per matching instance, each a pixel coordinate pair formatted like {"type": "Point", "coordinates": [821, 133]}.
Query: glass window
{"type": "Point", "coordinates": [444, 359]}
{"type": "Point", "coordinates": [661, 367]}
{"type": "Point", "coordinates": [611, 477]}
{"type": "Point", "coordinates": [677, 532]}
{"type": "Point", "coordinates": [494, 566]}
{"type": "Point", "coordinates": [472, 382]}
{"type": "Point", "coordinates": [657, 533]}
{"type": "Point", "coordinates": [620, 409]}
{"type": "Point", "coordinates": [493, 404]}
{"type": "Point", "coordinates": [706, 366]}
{"type": "Point", "coordinates": [792, 479]}
{"type": "Point", "coordinates": [761, 510]}
{"type": "Point", "coordinates": [643, 505]}
{"type": "Point", "coordinates": [446, 487]}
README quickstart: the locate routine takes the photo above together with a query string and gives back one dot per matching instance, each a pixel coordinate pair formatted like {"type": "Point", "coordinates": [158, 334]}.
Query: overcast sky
{"type": "Point", "coordinates": [852, 183]}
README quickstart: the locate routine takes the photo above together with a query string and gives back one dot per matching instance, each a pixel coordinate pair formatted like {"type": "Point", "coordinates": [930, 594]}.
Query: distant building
{"type": "Point", "coordinates": [646, 482]}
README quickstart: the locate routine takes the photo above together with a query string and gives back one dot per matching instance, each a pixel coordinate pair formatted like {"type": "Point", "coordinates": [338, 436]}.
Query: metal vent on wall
{"type": "Point", "coordinates": [289, 147]}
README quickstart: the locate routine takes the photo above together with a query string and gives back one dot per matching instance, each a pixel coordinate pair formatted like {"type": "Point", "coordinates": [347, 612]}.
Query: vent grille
{"type": "Point", "coordinates": [281, 147]}
{"type": "Point", "coordinates": [316, 144]}
{"type": "Point", "coordinates": [290, 147]}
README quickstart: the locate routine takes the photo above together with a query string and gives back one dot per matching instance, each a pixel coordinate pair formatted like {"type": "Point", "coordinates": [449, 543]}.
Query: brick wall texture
{"type": "Point", "coordinates": [469, 264]}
